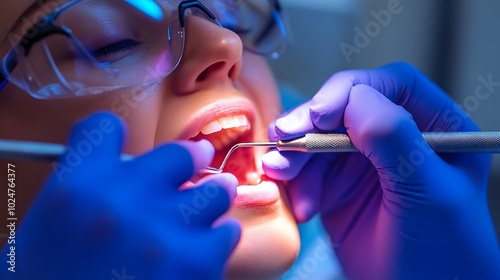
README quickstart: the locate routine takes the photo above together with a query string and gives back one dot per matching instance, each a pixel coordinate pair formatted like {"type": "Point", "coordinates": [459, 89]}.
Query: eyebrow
{"type": "Point", "coordinates": [30, 9]}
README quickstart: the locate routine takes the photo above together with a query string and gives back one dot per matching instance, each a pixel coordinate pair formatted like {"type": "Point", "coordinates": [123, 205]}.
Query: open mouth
{"type": "Point", "coordinates": [224, 132]}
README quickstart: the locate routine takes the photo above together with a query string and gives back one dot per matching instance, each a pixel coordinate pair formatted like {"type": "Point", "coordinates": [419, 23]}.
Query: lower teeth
{"type": "Point", "coordinates": [253, 178]}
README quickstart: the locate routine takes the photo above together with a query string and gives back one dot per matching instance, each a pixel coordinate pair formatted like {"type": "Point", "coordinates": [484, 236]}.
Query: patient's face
{"type": "Point", "coordinates": [218, 92]}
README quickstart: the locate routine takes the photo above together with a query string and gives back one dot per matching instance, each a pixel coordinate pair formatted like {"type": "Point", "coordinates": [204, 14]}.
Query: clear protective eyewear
{"type": "Point", "coordinates": [94, 46]}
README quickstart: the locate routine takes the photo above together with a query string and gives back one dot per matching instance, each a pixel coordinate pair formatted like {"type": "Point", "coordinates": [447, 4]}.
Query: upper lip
{"type": "Point", "coordinates": [217, 110]}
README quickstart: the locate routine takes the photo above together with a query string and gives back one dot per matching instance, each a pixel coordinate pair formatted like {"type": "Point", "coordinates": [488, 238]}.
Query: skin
{"type": "Point", "coordinates": [220, 70]}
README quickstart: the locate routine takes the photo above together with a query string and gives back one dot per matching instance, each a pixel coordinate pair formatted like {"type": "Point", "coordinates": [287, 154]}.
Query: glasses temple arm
{"type": "Point", "coordinates": [184, 5]}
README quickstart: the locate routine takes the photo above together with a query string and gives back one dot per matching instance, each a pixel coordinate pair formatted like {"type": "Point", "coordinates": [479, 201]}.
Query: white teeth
{"type": "Point", "coordinates": [228, 122]}
{"type": "Point", "coordinates": [232, 127]}
{"type": "Point", "coordinates": [253, 178]}
{"type": "Point", "coordinates": [239, 121]}
{"type": "Point", "coordinates": [211, 128]}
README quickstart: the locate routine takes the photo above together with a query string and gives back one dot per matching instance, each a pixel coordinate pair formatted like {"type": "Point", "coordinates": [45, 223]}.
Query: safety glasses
{"type": "Point", "coordinates": [94, 46]}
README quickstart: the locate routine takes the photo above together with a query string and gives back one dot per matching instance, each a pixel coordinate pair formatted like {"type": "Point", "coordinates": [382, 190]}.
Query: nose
{"type": "Point", "coordinates": [212, 54]}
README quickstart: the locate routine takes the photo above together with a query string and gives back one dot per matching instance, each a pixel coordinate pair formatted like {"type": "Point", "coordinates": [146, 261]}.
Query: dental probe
{"type": "Point", "coordinates": [26, 150]}
{"type": "Point", "coordinates": [440, 142]}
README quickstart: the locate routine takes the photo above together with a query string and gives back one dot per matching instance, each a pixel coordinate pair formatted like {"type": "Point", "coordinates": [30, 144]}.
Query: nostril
{"type": "Point", "coordinates": [212, 69]}
{"type": "Point", "coordinates": [202, 76]}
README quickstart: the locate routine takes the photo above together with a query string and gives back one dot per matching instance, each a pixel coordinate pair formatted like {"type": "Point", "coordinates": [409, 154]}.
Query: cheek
{"type": "Point", "coordinates": [257, 78]}
{"type": "Point", "coordinates": [140, 110]}
{"type": "Point", "coordinates": [23, 117]}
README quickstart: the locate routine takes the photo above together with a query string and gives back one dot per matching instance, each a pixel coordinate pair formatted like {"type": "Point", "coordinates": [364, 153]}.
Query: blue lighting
{"type": "Point", "coordinates": [148, 7]}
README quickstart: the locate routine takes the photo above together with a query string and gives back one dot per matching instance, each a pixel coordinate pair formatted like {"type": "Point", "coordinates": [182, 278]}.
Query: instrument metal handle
{"type": "Point", "coordinates": [440, 142]}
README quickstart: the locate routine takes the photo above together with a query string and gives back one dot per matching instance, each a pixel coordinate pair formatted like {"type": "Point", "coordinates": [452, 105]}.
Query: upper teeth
{"type": "Point", "coordinates": [225, 123]}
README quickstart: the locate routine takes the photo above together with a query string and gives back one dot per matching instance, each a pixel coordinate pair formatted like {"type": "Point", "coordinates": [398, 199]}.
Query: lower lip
{"type": "Point", "coordinates": [263, 194]}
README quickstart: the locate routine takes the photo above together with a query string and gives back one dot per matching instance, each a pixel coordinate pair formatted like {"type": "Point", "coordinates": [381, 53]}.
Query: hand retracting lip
{"type": "Point", "coordinates": [440, 142]}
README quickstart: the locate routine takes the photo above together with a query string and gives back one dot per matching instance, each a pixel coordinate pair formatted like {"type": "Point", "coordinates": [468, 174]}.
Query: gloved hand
{"type": "Point", "coordinates": [396, 210]}
{"type": "Point", "coordinates": [101, 218]}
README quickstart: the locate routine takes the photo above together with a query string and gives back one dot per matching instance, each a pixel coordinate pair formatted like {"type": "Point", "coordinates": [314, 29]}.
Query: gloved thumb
{"type": "Point", "coordinates": [95, 142]}
{"type": "Point", "coordinates": [388, 136]}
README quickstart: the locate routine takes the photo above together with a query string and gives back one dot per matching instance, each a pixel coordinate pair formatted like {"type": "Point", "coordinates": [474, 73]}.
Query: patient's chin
{"type": "Point", "coordinates": [268, 247]}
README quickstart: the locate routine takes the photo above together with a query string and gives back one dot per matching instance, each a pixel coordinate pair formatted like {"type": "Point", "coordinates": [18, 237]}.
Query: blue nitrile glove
{"type": "Point", "coordinates": [100, 218]}
{"type": "Point", "coordinates": [396, 210]}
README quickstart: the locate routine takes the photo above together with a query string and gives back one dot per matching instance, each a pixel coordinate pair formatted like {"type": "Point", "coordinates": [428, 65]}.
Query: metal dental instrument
{"type": "Point", "coordinates": [440, 142]}
{"type": "Point", "coordinates": [26, 150]}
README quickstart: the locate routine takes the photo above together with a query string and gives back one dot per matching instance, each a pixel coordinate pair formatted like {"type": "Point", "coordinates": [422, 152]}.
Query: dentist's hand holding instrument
{"type": "Point", "coordinates": [397, 210]}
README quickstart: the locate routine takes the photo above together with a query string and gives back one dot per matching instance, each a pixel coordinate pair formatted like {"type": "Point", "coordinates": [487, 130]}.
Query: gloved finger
{"type": "Point", "coordinates": [284, 165]}
{"type": "Point", "coordinates": [328, 104]}
{"type": "Point", "coordinates": [224, 180]}
{"type": "Point", "coordinates": [213, 248]}
{"type": "Point", "coordinates": [215, 243]}
{"type": "Point", "coordinates": [227, 232]}
{"type": "Point", "coordinates": [208, 200]}
{"type": "Point", "coordinates": [174, 163]}
{"type": "Point", "coordinates": [305, 190]}
{"type": "Point", "coordinates": [387, 135]}
{"type": "Point", "coordinates": [96, 140]}
{"type": "Point", "coordinates": [431, 108]}
{"type": "Point", "coordinates": [324, 111]}
{"type": "Point", "coordinates": [351, 175]}
{"type": "Point", "coordinates": [403, 84]}
{"type": "Point", "coordinates": [293, 123]}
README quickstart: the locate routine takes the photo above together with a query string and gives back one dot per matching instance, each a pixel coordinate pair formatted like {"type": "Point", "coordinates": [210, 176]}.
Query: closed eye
{"type": "Point", "coordinates": [111, 51]}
